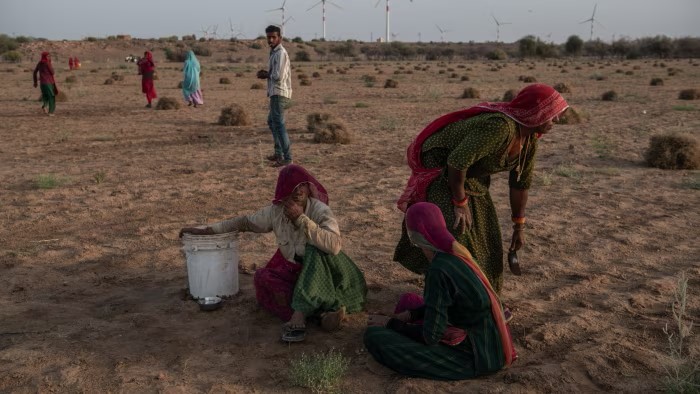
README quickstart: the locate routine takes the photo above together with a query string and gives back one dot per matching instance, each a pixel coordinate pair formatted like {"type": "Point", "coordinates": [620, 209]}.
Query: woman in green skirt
{"type": "Point", "coordinates": [452, 161]}
{"type": "Point", "coordinates": [46, 81]}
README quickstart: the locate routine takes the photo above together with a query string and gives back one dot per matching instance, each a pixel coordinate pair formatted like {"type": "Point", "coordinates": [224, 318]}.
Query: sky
{"type": "Point", "coordinates": [410, 21]}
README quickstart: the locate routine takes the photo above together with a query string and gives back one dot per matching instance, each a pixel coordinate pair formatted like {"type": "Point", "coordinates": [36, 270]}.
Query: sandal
{"type": "Point", "coordinates": [293, 334]}
{"type": "Point", "coordinates": [331, 321]}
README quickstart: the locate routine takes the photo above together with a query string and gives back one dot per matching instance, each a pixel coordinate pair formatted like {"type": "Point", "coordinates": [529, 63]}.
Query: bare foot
{"type": "Point", "coordinates": [331, 321]}
{"type": "Point", "coordinates": [297, 321]}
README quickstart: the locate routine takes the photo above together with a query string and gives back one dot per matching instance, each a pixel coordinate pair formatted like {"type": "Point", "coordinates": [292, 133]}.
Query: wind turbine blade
{"type": "Point", "coordinates": [594, 7]}
{"type": "Point", "coordinates": [586, 21]}
{"type": "Point", "coordinates": [274, 9]}
{"type": "Point", "coordinates": [601, 25]}
{"type": "Point", "coordinates": [376, 5]}
{"type": "Point", "coordinates": [283, 3]}
{"type": "Point", "coordinates": [313, 6]}
{"type": "Point", "coordinates": [334, 5]}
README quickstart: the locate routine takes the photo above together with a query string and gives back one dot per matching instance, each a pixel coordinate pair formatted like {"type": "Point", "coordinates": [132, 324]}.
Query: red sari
{"type": "Point", "coordinates": [147, 69]}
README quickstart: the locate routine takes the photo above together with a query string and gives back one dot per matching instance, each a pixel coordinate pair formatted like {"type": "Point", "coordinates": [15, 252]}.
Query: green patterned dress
{"type": "Point", "coordinates": [478, 145]}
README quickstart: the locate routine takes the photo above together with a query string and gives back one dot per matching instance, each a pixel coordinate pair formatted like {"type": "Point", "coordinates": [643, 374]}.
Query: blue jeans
{"type": "Point", "coordinates": [275, 120]}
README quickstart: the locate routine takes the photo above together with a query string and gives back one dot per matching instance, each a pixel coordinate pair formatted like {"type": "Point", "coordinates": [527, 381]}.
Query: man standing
{"type": "Point", "coordinates": [279, 90]}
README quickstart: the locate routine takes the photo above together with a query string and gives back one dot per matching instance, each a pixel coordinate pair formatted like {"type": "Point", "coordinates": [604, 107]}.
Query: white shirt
{"type": "Point", "coordinates": [317, 226]}
{"type": "Point", "coordinates": [279, 81]}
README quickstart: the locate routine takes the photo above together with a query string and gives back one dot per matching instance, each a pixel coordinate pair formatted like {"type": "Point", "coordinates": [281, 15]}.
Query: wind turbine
{"type": "Point", "coordinates": [280, 9]}
{"type": "Point", "coordinates": [388, 35]}
{"type": "Point", "coordinates": [323, 8]}
{"type": "Point", "coordinates": [234, 32]}
{"type": "Point", "coordinates": [593, 20]}
{"type": "Point", "coordinates": [205, 32]}
{"type": "Point", "coordinates": [498, 26]}
{"type": "Point", "coordinates": [442, 32]}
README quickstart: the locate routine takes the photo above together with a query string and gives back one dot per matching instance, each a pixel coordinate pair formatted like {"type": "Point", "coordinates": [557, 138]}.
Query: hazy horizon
{"type": "Point", "coordinates": [460, 21]}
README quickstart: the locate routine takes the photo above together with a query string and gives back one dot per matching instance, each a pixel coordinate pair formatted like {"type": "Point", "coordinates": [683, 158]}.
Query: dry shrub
{"type": "Point", "coordinates": [656, 82]}
{"type": "Point", "coordinates": [61, 97]}
{"type": "Point", "coordinates": [167, 103]}
{"type": "Point", "coordinates": [239, 75]}
{"type": "Point", "coordinates": [610, 95]}
{"type": "Point", "coordinates": [464, 78]}
{"type": "Point", "coordinates": [561, 87]}
{"type": "Point", "coordinates": [689, 94]}
{"type": "Point", "coordinates": [390, 83]}
{"type": "Point", "coordinates": [71, 79]}
{"type": "Point", "coordinates": [629, 72]}
{"type": "Point", "coordinates": [471, 93]}
{"type": "Point", "coordinates": [327, 130]}
{"type": "Point", "coordinates": [510, 94]}
{"type": "Point", "coordinates": [179, 85]}
{"type": "Point", "coordinates": [673, 152]}
{"type": "Point", "coordinates": [330, 71]}
{"type": "Point", "coordinates": [316, 74]}
{"type": "Point", "coordinates": [256, 86]}
{"type": "Point", "coordinates": [570, 116]}
{"type": "Point", "coordinates": [305, 82]}
{"type": "Point", "coordinates": [527, 79]}
{"type": "Point", "coordinates": [234, 115]}
{"type": "Point", "coordinates": [109, 81]}
{"type": "Point", "coordinates": [224, 81]}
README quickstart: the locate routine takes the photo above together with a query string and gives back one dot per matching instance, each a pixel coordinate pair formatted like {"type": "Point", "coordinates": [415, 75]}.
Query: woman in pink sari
{"type": "Point", "coordinates": [452, 161]}
{"type": "Point", "coordinates": [147, 69]}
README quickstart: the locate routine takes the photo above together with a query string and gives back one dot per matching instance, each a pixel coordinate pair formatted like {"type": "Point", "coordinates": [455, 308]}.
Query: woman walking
{"type": "Point", "coordinates": [147, 69]}
{"type": "Point", "coordinates": [46, 80]}
{"type": "Point", "coordinates": [190, 83]}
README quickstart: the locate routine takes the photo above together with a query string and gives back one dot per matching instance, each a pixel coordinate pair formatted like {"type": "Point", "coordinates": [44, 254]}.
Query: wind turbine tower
{"type": "Point", "coordinates": [388, 34]}
{"type": "Point", "coordinates": [323, 8]}
{"type": "Point", "coordinates": [498, 27]}
{"type": "Point", "coordinates": [593, 20]}
{"type": "Point", "coordinates": [442, 32]}
{"type": "Point", "coordinates": [280, 9]}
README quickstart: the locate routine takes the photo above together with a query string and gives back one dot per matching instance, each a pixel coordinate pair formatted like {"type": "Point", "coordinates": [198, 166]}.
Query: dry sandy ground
{"type": "Point", "coordinates": [92, 273]}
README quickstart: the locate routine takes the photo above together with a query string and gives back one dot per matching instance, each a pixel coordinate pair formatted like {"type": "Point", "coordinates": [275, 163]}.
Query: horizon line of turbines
{"type": "Point", "coordinates": [211, 31]}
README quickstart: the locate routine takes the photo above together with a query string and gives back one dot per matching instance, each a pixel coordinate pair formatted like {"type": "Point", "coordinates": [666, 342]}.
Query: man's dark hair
{"type": "Point", "coordinates": [274, 29]}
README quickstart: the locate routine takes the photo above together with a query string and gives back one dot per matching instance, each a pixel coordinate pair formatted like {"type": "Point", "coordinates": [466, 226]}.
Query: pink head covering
{"type": "Point", "coordinates": [45, 57]}
{"type": "Point", "coordinates": [533, 106]}
{"type": "Point", "coordinates": [293, 175]}
{"type": "Point", "coordinates": [427, 228]}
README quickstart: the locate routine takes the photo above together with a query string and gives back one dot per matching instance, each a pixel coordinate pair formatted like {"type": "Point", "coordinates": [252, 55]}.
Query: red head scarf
{"type": "Point", "coordinates": [427, 229]}
{"type": "Point", "coordinates": [294, 175]}
{"type": "Point", "coordinates": [45, 58]}
{"type": "Point", "coordinates": [533, 106]}
{"type": "Point", "coordinates": [148, 55]}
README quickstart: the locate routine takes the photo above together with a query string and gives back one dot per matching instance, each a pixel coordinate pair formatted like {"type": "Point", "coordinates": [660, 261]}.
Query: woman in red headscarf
{"type": "Point", "coordinates": [70, 63]}
{"type": "Point", "coordinates": [147, 69]}
{"type": "Point", "coordinates": [459, 331]}
{"type": "Point", "coordinates": [46, 80]}
{"type": "Point", "coordinates": [309, 275]}
{"type": "Point", "coordinates": [452, 161]}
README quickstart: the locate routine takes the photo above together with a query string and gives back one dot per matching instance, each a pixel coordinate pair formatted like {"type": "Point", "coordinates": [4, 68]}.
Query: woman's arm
{"type": "Point", "coordinates": [321, 229]}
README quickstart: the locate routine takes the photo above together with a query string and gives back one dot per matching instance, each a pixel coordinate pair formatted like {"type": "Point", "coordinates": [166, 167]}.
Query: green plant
{"type": "Point", "coordinates": [683, 108]}
{"type": "Point", "coordinates": [12, 56]}
{"type": "Point", "coordinates": [321, 373]}
{"type": "Point", "coordinates": [99, 177]}
{"type": "Point", "coordinates": [47, 181]}
{"type": "Point", "coordinates": [389, 124]}
{"type": "Point", "coordinates": [567, 172]}
{"type": "Point", "coordinates": [682, 372]}
{"type": "Point", "coordinates": [361, 105]}
{"type": "Point", "coordinates": [330, 100]}
{"type": "Point", "coordinates": [601, 146]}
{"type": "Point", "coordinates": [692, 183]}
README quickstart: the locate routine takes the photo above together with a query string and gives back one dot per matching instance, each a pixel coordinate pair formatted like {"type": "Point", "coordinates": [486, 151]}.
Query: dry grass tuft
{"type": "Point", "coordinates": [256, 86]}
{"type": "Point", "coordinates": [305, 82]}
{"type": "Point", "coordinates": [471, 93]}
{"type": "Point", "coordinates": [673, 152]}
{"type": "Point", "coordinates": [165, 103]}
{"type": "Point", "coordinates": [561, 87]}
{"type": "Point", "coordinates": [510, 94]}
{"type": "Point", "coordinates": [327, 130]}
{"type": "Point", "coordinates": [656, 82]}
{"type": "Point", "coordinates": [689, 94]}
{"type": "Point", "coordinates": [61, 97]}
{"type": "Point", "coordinates": [234, 115]}
{"type": "Point", "coordinates": [390, 83]}
{"type": "Point", "coordinates": [109, 81]}
{"type": "Point", "coordinates": [527, 79]}
{"type": "Point", "coordinates": [570, 116]}
{"type": "Point", "coordinates": [224, 81]}
{"type": "Point", "coordinates": [610, 95]}
{"type": "Point", "coordinates": [71, 79]}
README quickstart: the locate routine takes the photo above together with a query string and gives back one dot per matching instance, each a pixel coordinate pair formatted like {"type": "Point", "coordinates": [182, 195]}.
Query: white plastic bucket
{"type": "Point", "coordinates": [212, 264]}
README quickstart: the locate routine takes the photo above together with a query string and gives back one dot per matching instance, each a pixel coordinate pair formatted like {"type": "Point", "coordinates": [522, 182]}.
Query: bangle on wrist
{"type": "Point", "coordinates": [460, 203]}
{"type": "Point", "coordinates": [518, 219]}
{"type": "Point", "coordinates": [518, 227]}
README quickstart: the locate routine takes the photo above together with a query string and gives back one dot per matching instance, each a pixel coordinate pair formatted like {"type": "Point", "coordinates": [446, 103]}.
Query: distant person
{"type": "Point", "coordinates": [147, 69]}
{"type": "Point", "coordinates": [70, 63]}
{"type": "Point", "coordinates": [190, 83]}
{"type": "Point", "coordinates": [458, 331]}
{"type": "Point", "coordinates": [309, 275]}
{"type": "Point", "coordinates": [452, 161]}
{"type": "Point", "coordinates": [279, 90]}
{"type": "Point", "coordinates": [49, 91]}
{"type": "Point", "coordinates": [76, 63]}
